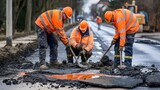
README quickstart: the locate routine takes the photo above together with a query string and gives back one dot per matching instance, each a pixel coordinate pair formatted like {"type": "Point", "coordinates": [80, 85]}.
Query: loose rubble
{"type": "Point", "coordinates": [131, 77]}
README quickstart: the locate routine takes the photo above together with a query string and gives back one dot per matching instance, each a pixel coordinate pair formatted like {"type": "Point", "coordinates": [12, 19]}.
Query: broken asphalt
{"type": "Point", "coordinates": [26, 77]}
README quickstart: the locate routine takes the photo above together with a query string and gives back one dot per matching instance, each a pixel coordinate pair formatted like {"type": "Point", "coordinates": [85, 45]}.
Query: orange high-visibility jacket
{"type": "Point", "coordinates": [51, 21]}
{"type": "Point", "coordinates": [99, 20]}
{"type": "Point", "coordinates": [87, 41]}
{"type": "Point", "coordinates": [125, 23]}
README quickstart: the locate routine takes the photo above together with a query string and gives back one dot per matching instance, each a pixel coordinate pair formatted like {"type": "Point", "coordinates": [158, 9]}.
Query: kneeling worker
{"type": "Point", "coordinates": [81, 41]}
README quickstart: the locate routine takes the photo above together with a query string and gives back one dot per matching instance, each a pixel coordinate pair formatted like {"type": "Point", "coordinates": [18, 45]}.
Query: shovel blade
{"type": "Point", "coordinates": [83, 66]}
{"type": "Point", "coordinates": [121, 66]}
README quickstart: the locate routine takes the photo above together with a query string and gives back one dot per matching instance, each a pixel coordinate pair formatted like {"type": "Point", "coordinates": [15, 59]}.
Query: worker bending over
{"type": "Point", "coordinates": [47, 24]}
{"type": "Point", "coordinates": [126, 25]}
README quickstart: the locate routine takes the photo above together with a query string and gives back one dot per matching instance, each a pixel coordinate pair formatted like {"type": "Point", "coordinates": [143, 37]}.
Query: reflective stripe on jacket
{"type": "Point", "coordinates": [125, 23]}
{"type": "Point", "coordinates": [87, 41]}
{"type": "Point", "coordinates": [51, 21]}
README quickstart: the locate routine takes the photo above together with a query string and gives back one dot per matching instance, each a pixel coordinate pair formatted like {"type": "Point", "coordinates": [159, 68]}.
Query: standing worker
{"type": "Point", "coordinates": [47, 24]}
{"type": "Point", "coordinates": [99, 21]}
{"type": "Point", "coordinates": [126, 25]}
{"type": "Point", "coordinates": [81, 41]}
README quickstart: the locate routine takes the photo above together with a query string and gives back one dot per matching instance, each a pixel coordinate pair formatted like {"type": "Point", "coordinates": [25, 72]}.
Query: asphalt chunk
{"type": "Point", "coordinates": [153, 80]}
{"type": "Point", "coordinates": [114, 82]}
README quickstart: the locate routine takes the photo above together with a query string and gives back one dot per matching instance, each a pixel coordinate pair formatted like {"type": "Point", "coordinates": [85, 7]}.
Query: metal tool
{"type": "Point", "coordinates": [106, 52]}
{"type": "Point", "coordinates": [86, 59]}
{"type": "Point", "coordinates": [121, 64]}
{"type": "Point", "coordinates": [120, 58]}
{"type": "Point", "coordinates": [79, 64]}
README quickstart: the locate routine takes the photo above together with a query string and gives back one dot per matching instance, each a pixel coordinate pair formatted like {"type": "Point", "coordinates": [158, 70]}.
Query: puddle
{"type": "Point", "coordinates": [76, 76]}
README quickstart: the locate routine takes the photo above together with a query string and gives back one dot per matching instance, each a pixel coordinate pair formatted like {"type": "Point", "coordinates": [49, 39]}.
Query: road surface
{"type": "Point", "coordinates": [144, 54]}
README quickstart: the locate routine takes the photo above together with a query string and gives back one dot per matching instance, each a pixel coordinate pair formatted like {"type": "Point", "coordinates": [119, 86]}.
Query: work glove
{"type": "Point", "coordinates": [113, 41]}
{"type": "Point", "coordinates": [83, 52]}
{"type": "Point", "coordinates": [79, 47]}
{"type": "Point", "coordinates": [121, 48]}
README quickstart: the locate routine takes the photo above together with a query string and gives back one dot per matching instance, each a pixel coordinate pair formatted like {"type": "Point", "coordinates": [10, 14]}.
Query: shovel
{"type": "Point", "coordinates": [86, 60]}
{"type": "Point", "coordinates": [121, 66]}
{"type": "Point", "coordinates": [79, 64]}
{"type": "Point", "coordinates": [106, 52]}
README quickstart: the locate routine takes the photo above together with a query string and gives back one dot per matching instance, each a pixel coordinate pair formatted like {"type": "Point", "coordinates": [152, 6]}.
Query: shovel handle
{"type": "Point", "coordinates": [74, 55]}
{"type": "Point", "coordinates": [120, 58]}
{"type": "Point", "coordinates": [106, 52]}
{"type": "Point", "coordinates": [79, 64]}
{"type": "Point", "coordinates": [84, 57]}
{"type": "Point", "coordinates": [72, 52]}
{"type": "Point", "coordinates": [78, 55]}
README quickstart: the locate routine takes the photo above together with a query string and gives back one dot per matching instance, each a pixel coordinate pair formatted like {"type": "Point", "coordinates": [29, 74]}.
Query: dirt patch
{"type": "Point", "coordinates": [14, 57]}
{"type": "Point", "coordinates": [12, 54]}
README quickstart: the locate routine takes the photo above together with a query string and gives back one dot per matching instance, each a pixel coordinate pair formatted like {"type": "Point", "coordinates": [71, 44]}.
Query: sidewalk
{"type": "Point", "coordinates": [26, 39]}
{"type": "Point", "coordinates": [151, 36]}
{"type": "Point", "coordinates": [155, 36]}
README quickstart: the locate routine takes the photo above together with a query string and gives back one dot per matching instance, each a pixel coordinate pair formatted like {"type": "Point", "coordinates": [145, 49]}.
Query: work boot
{"type": "Point", "coordinates": [54, 63]}
{"type": "Point", "coordinates": [43, 67]}
{"type": "Point", "coordinates": [70, 59]}
{"type": "Point", "coordinates": [84, 63]}
{"type": "Point", "coordinates": [70, 64]}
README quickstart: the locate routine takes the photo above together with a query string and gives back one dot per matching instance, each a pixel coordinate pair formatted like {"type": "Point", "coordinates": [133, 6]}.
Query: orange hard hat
{"type": "Point", "coordinates": [68, 11]}
{"type": "Point", "coordinates": [108, 16]}
{"type": "Point", "coordinates": [83, 26]}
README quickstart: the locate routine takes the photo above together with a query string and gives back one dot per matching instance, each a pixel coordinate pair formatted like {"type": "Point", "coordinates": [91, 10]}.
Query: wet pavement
{"type": "Point", "coordinates": [145, 49]}
{"type": "Point", "coordinates": [30, 79]}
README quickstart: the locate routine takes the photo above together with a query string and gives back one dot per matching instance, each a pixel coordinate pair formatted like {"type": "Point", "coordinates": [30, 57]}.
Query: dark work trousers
{"type": "Point", "coordinates": [45, 39]}
{"type": "Point", "coordinates": [128, 51]}
{"type": "Point", "coordinates": [99, 26]}
{"type": "Point", "coordinates": [70, 55]}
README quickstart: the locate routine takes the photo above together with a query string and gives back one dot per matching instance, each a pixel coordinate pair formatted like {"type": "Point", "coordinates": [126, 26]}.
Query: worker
{"type": "Point", "coordinates": [81, 42]}
{"type": "Point", "coordinates": [126, 25]}
{"type": "Point", "coordinates": [99, 21]}
{"type": "Point", "coordinates": [47, 24]}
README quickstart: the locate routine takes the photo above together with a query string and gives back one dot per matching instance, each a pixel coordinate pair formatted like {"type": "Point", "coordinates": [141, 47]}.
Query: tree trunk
{"type": "Point", "coordinates": [17, 9]}
{"type": "Point", "coordinates": [28, 16]}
